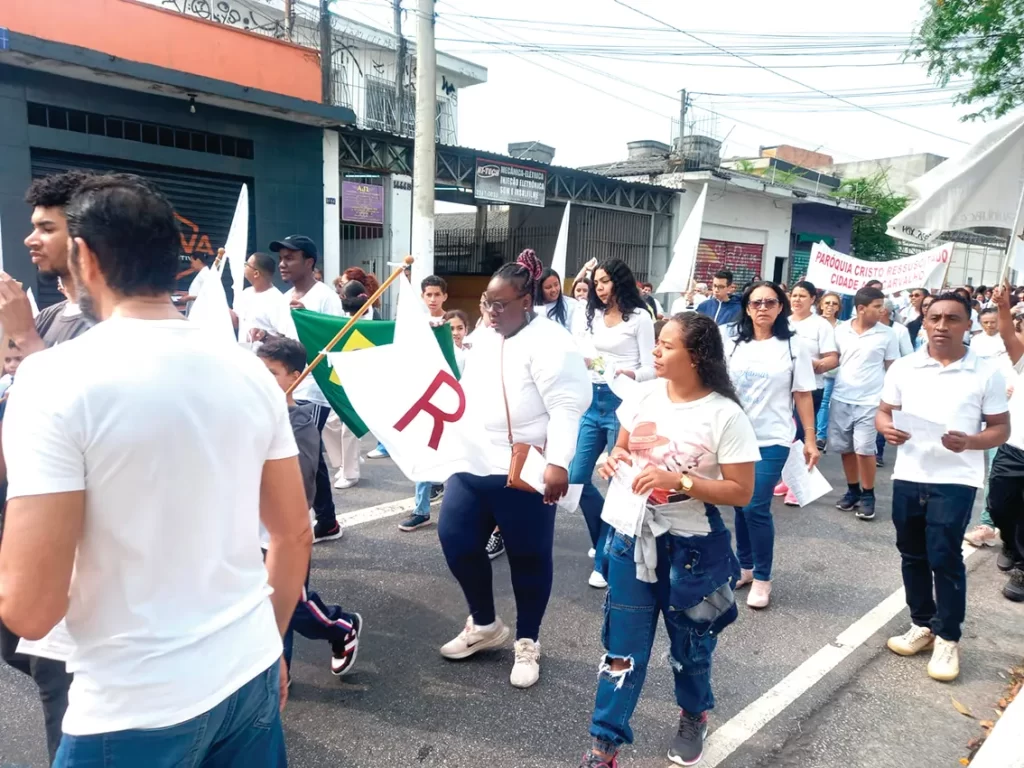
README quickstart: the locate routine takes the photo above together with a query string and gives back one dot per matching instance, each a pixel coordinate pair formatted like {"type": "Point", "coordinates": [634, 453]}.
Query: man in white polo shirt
{"type": "Point", "coordinates": [146, 456]}
{"type": "Point", "coordinates": [959, 403]}
{"type": "Point", "coordinates": [866, 349]}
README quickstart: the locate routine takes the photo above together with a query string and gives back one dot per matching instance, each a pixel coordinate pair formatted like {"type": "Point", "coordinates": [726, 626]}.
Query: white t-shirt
{"type": "Point", "coordinates": [958, 396]}
{"type": "Point", "coordinates": [682, 305]}
{"type": "Point", "coordinates": [765, 374]}
{"type": "Point", "coordinates": [628, 345]}
{"type": "Point", "coordinates": [697, 437]}
{"type": "Point", "coordinates": [906, 346]}
{"type": "Point", "coordinates": [572, 307]}
{"type": "Point", "coordinates": [984, 345]}
{"type": "Point", "coordinates": [862, 359]}
{"type": "Point", "coordinates": [167, 431]}
{"type": "Point", "coordinates": [257, 310]}
{"type": "Point", "coordinates": [321, 299]}
{"type": "Point", "coordinates": [817, 335]}
{"type": "Point", "coordinates": [196, 286]}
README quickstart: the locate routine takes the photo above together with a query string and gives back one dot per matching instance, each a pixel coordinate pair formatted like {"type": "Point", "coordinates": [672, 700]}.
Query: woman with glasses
{"type": "Point", "coordinates": [617, 340]}
{"type": "Point", "coordinates": [828, 309]}
{"type": "Point", "coordinates": [773, 376]}
{"type": "Point", "coordinates": [525, 383]}
{"type": "Point", "coordinates": [916, 326]}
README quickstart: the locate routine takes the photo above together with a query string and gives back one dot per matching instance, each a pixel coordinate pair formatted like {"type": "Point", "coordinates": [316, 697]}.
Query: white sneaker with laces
{"type": "Point", "coordinates": [945, 663]}
{"type": "Point", "coordinates": [343, 482]}
{"type": "Point", "coordinates": [982, 536]}
{"type": "Point", "coordinates": [597, 581]}
{"type": "Point", "coordinates": [526, 670]}
{"type": "Point", "coordinates": [473, 640]}
{"type": "Point", "coordinates": [911, 642]}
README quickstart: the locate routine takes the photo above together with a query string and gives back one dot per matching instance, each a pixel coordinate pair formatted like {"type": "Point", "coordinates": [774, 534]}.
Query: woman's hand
{"type": "Point", "coordinates": [624, 372]}
{"type": "Point", "coordinates": [651, 477]}
{"type": "Point", "coordinates": [618, 454]}
{"type": "Point", "coordinates": [556, 483]}
{"type": "Point", "coordinates": [811, 455]}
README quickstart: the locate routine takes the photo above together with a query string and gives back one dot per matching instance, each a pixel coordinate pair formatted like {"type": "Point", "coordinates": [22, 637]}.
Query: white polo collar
{"type": "Point", "coordinates": [921, 359]}
{"type": "Point", "coordinates": [876, 328]}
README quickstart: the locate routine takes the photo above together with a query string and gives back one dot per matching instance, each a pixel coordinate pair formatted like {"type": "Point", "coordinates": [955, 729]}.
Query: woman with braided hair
{"type": "Point", "coordinates": [524, 383]}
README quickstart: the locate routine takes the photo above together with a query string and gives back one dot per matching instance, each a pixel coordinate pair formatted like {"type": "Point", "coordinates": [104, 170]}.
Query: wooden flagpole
{"type": "Point", "coordinates": [407, 262]}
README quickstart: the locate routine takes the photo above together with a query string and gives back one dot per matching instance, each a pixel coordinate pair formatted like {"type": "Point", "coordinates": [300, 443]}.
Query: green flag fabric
{"type": "Point", "coordinates": [316, 331]}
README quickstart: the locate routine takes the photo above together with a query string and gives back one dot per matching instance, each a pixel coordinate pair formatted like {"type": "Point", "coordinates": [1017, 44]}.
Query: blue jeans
{"type": "Point", "coordinates": [826, 399]}
{"type": "Point", "coordinates": [755, 528]}
{"type": "Point", "coordinates": [599, 429]}
{"type": "Point", "coordinates": [423, 499]}
{"type": "Point", "coordinates": [930, 521]}
{"type": "Point", "coordinates": [689, 569]}
{"type": "Point", "coordinates": [243, 731]}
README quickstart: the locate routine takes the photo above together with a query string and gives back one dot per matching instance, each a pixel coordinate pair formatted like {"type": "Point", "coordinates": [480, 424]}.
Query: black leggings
{"type": "Point", "coordinates": [1006, 499]}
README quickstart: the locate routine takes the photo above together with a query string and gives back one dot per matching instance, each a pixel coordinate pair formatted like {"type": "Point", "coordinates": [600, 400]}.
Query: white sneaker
{"type": "Point", "coordinates": [473, 640]}
{"type": "Point", "coordinates": [343, 482]}
{"type": "Point", "coordinates": [591, 553]}
{"type": "Point", "coordinates": [911, 642]}
{"type": "Point", "coordinates": [597, 581]}
{"type": "Point", "coordinates": [760, 593]}
{"type": "Point", "coordinates": [982, 536]}
{"type": "Point", "coordinates": [376, 453]}
{"type": "Point", "coordinates": [526, 670]}
{"type": "Point", "coordinates": [945, 663]}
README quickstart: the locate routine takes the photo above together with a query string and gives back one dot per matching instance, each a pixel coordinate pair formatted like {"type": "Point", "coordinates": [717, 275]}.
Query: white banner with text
{"type": "Point", "coordinates": [831, 270]}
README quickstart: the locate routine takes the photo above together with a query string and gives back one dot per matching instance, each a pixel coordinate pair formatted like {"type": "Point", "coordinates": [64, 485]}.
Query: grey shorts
{"type": "Point", "coordinates": [851, 428]}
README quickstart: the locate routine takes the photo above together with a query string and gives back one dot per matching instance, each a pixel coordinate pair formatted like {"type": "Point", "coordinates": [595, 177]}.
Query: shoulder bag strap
{"type": "Point", "coordinates": [504, 394]}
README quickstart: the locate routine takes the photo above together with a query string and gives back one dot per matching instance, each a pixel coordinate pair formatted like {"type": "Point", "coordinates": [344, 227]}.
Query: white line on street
{"type": "Point", "coordinates": [379, 512]}
{"type": "Point", "coordinates": [752, 718]}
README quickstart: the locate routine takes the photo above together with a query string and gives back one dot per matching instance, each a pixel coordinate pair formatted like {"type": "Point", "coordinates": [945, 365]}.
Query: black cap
{"type": "Point", "coordinates": [296, 243]}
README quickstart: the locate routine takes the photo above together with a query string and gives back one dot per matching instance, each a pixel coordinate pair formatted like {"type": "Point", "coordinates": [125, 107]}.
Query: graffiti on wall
{"type": "Point", "coordinates": [232, 14]}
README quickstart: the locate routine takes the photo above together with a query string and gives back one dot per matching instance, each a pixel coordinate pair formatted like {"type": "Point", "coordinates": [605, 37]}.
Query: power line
{"type": "Point", "coordinates": [787, 77]}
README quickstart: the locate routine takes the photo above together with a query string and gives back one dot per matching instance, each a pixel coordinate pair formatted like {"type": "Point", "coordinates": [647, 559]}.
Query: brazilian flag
{"type": "Point", "coordinates": [316, 331]}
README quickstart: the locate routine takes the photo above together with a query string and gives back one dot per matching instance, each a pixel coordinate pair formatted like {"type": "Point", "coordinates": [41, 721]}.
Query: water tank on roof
{"type": "Point", "coordinates": [699, 151]}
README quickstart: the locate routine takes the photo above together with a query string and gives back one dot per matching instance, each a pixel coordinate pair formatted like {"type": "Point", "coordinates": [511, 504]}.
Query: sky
{"type": "Point", "coordinates": [588, 76]}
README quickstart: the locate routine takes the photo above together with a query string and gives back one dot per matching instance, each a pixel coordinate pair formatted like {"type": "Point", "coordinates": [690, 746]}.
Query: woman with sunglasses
{"type": "Point", "coordinates": [828, 309]}
{"type": "Point", "coordinates": [773, 375]}
{"type": "Point", "coordinates": [916, 326]}
{"type": "Point", "coordinates": [618, 339]}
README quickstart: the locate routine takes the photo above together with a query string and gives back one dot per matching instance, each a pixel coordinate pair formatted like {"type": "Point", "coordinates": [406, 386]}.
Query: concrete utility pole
{"type": "Point", "coordinates": [399, 70]}
{"type": "Point", "coordinates": [326, 92]}
{"type": "Point", "coordinates": [425, 157]}
{"type": "Point", "coordinates": [682, 113]}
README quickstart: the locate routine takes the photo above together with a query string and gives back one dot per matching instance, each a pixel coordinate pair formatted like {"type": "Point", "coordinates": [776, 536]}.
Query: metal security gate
{"type": "Point", "coordinates": [204, 205]}
{"type": "Point", "coordinates": [742, 259]}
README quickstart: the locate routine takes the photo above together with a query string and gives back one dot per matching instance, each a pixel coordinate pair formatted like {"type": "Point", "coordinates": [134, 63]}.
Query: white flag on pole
{"type": "Point", "coordinates": [558, 260]}
{"type": "Point", "coordinates": [32, 302]}
{"type": "Point", "coordinates": [684, 254]}
{"type": "Point", "coordinates": [980, 188]}
{"type": "Point", "coordinates": [210, 309]}
{"type": "Point", "coordinates": [407, 395]}
{"type": "Point", "coordinates": [238, 239]}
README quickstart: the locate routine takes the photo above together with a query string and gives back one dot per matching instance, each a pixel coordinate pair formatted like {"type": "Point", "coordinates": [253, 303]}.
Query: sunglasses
{"type": "Point", "coordinates": [830, 303]}
{"type": "Point", "coordinates": [764, 303]}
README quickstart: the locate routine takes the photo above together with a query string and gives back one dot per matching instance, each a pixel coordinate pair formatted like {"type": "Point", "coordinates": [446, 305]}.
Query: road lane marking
{"type": "Point", "coordinates": [379, 512]}
{"type": "Point", "coordinates": [752, 718]}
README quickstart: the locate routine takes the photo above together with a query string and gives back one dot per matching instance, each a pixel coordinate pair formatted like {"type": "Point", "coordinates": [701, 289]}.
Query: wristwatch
{"type": "Point", "coordinates": [685, 483]}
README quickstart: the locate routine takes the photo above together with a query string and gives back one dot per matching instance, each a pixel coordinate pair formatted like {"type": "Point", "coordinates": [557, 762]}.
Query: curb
{"type": "Point", "coordinates": [1002, 748]}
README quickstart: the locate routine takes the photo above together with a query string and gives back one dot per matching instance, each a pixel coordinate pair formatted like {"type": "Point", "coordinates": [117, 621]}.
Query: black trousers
{"type": "Point", "coordinates": [1006, 499]}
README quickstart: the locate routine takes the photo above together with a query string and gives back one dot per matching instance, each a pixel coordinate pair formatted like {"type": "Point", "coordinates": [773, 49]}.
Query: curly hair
{"type": "Point", "coordinates": [703, 341]}
{"type": "Point", "coordinates": [624, 291]}
{"type": "Point", "coordinates": [56, 190]}
{"type": "Point", "coordinates": [745, 325]}
{"type": "Point", "coordinates": [558, 311]}
{"type": "Point", "coordinates": [368, 280]}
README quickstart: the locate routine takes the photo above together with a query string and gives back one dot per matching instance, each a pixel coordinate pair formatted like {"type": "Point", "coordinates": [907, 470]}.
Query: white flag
{"type": "Point", "coordinates": [210, 309]}
{"type": "Point", "coordinates": [684, 255]}
{"type": "Point", "coordinates": [562, 245]}
{"type": "Point", "coordinates": [238, 239]}
{"type": "Point", "coordinates": [407, 395]}
{"type": "Point", "coordinates": [32, 303]}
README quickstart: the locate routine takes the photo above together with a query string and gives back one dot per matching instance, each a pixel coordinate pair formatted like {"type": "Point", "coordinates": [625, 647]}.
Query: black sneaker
{"type": "Point", "coordinates": [822, 446]}
{"type": "Point", "coordinates": [495, 545]}
{"type": "Point", "coordinates": [414, 522]}
{"type": "Point", "coordinates": [879, 462]}
{"type": "Point", "coordinates": [867, 508]}
{"type": "Point", "coordinates": [343, 654]}
{"type": "Point", "coordinates": [849, 502]}
{"type": "Point", "coordinates": [1014, 589]}
{"type": "Point", "coordinates": [436, 492]}
{"type": "Point", "coordinates": [591, 760]}
{"type": "Point", "coordinates": [688, 745]}
{"type": "Point", "coordinates": [327, 534]}
{"type": "Point", "coordinates": [1005, 560]}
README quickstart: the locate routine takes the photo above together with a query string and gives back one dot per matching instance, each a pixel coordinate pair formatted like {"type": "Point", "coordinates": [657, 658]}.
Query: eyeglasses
{"type": "Point", "coordinates": [830, 303]}
{"type": "Point", "coordinates": [495, 307]}
{"type": "Point", "coordinates": [764, 303]}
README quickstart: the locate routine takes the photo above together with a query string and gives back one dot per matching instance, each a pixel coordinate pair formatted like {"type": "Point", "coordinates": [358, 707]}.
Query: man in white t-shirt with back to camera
{"type": "Point", "coordinates": [176, 623]}
{"type": "Point", "coordinates": [867, 348]}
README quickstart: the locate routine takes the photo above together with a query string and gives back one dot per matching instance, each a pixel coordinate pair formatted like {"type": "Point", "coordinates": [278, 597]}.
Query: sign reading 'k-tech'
{"type": "Point", "coordinates": [498, 182]}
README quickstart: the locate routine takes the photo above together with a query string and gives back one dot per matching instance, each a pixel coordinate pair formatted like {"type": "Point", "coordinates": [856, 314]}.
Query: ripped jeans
{"type": "Point", "coordinates": [690, 568]}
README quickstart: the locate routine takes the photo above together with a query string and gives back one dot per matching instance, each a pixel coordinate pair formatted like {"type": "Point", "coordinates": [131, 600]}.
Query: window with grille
{"type": "Point", "coordinates": [380, 107]}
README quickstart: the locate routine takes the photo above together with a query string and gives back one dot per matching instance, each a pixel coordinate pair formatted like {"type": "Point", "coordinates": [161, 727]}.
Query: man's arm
{"type": "Point", "coordinates": [285, 515]}
{"type": "Point", "coordinates": [16, 316]}
{"type": "Point", "coordinates": [36, 560]}
{"type": "Point", "coordinates": [1014, 347]}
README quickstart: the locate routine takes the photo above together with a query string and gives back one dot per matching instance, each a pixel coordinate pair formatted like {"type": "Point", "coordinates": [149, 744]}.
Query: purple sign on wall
{"type": "Point", "coordinates": [362, 203]}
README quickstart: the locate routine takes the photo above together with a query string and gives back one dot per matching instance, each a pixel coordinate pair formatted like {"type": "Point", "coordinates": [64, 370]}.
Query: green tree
{"type": "Point", "coordinates": [980, 39]}
{"type": "Point", "coordinates": [869, 238]}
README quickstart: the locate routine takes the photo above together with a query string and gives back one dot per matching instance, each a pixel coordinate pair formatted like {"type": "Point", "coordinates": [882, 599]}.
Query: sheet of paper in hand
{"type": "Point", "coordinates": [624, 510]}
{"type": "Point", "coordinates": [806, 486]}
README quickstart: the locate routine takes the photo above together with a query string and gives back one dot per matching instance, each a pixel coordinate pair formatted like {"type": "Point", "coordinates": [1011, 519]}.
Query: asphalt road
{"type": "Point", "coordinates": [404, 705]}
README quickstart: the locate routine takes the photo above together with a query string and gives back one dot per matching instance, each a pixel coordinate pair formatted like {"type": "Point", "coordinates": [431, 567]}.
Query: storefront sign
{"type": "Point", "coordinates": [362, 203]}
{"type": "Point", "coordinates": [505, 183]}
{"type": "Point", "coordinates": [830, 270]}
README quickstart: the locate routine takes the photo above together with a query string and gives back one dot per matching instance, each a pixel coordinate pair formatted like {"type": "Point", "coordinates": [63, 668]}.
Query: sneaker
{"type": "Point", "coordinates": [849, 501]}
{"type": "Point", "coordinates": [591, 553]}
{"type": "Point", "coordinates": [867, 508]}
{"type": "Point", "coordinates": [945, 663]}
{"type": "Point", "coordinates": [495, 545]}
{"type": "Point", "coordinates": [760, 594]}
{"type": "Point", "coordinates": [688, 745]}
{"type": "Point", "coordinates": [526, 670]}
{"type": "Point", "coordinates": [879, 462]}
{"type": "Point", "coordinates": [1005, 560]}
{"type": "Point", "coordinates": [746, 578]}
{"type": "Point", "coordinates": [822, 447]}
{"type": "Point", "coordinates": [472, 640]}
{"type": "Point", "coordinates": [343, 654]}
{"type": "Point", "coordinates": [328, 534]}
{"type": "Point", "coordinates": [911, 642]}
{"type": "Point", "coordinates": [436, 492]}
{"type": "Point", "coordinates": [791, 500]}
{"type": "Point", "coordinates": [1014, 588]}
{"type": "Point", "coordinates": [593, 760]}
{"type": "Point", "coordinates": [414, 522]}
{"type": "Point", "coordinates": [378, 453]}
{"type": "Point", "coordinates": [982, 536]}
{"type": "Point", "coordinates": [596, 580]}
{"type": "Point", "coordinates": [343, 482]}
{"type": "Point", "coordinates": [781, 489]}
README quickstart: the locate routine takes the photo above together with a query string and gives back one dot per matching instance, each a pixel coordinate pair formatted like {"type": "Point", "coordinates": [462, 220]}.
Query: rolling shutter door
{"type": "Point", "coordinates": [742, 259]}
{"type": "Point", "coordinates": [204, 204]}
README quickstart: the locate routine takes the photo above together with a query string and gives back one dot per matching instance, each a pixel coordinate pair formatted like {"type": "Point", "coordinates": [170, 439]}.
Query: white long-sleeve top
{"type": "Point", "coordinates": [547, 385]}
{"type": "Point", "coordinates": [628, 345]}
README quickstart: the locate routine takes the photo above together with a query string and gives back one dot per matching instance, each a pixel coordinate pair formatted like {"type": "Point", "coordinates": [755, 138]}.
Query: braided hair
{"type": "Point", "coordinates": [558, 311]}
{"type": "Point", "coordinates": [524, 273]}
{"type": "Point", "coordinates": [626, 294]}
{"type": "Point", "coordinates": [703, 341]}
